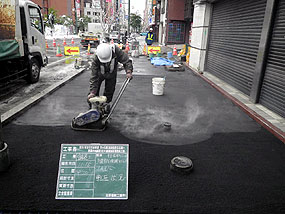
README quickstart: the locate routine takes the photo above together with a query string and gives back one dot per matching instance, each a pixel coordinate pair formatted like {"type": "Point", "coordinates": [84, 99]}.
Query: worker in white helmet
{"type": "Point", "coordinates": [104, 67]}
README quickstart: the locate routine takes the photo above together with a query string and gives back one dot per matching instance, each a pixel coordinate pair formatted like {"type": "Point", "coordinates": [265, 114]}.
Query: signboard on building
{"type": "Point", "coordinates": [93, 171]}
{"type": "Point", "coordinates": [77, 6]}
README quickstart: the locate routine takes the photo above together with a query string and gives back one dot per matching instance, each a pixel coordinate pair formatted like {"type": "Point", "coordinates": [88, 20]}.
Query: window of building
{"type": "Point", "coordinates": [97, 5]}
{"type": "Point", "coordinates": [97, 14]}
{"type": "Point", "coordinates": [88, 5]}
{"type": "Point", "coordinates": [88, 13]}
{"type": "Point", "coordinates": [176, 32]}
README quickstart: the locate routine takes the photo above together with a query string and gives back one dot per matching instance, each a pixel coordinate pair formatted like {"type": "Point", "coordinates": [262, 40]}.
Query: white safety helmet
{"type": "Point", "coordinates": [150, 29]}
{"type": "Point", "coordinates": [104, 52]}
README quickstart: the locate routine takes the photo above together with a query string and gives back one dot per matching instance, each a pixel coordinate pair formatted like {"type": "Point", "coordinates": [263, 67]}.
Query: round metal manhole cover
{"type": "Point", "coordinates": [181, 164]}
{"type": "Point", "coordinates": [167, 126]}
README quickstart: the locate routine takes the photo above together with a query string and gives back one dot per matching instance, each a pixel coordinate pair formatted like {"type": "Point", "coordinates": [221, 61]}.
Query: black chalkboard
{"type": "Point", "coordinates": [93, 171]}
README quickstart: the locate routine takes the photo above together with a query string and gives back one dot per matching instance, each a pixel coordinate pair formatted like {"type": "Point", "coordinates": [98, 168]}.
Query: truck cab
{"type": "Point", "coordinates": [33, 31]}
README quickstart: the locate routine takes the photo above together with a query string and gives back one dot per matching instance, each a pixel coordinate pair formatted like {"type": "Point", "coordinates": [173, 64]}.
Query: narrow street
{"type": "Point", "coordinates": [238, 165]}
{"type": "Point", "coordinates": [153, 106]}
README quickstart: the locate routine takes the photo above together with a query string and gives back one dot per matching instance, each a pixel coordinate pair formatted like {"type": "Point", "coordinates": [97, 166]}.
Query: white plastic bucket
{"type": "Point", "coordinates": [158, 85]}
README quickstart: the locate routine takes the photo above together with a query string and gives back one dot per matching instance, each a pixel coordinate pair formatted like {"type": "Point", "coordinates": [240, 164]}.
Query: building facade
{"type": "Point", "coordinates": [171, 20]}
{"type": "Point", "coordinates": [92, 9]}
{"type": "Point", "coordinates": [242, 43]}
{"type": "Point", "coordinates": [63, 7]}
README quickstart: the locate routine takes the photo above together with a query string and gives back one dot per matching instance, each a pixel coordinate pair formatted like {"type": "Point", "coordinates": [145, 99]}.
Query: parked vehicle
{"type": "Point", "coordinates": [22, 42]}
{"type": "Point", "coordinates": [143, 33]}
{"type": "Point", "coordinates": [90, 38]}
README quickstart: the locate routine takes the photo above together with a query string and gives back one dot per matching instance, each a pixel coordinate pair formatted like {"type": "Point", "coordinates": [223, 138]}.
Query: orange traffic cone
{"type": "Point", "coordinates": [112, 41]}
{"type": "Point", "coordinates": [72, 41]}
{"type": "Point", "coordinates": [174, 51]}
{"type": "Point", "coordinates": [58, 52]}
{"type": "Point", "coordinates": [64, 42]}
{"type": "Point", "coordinates": [46, 45]}
{"type": "Point", "coordinates": [53, 43]}
{"type": "Point", "coordinates": [88, 50]}
{"type": "Point", "coordinates": [127, 47]}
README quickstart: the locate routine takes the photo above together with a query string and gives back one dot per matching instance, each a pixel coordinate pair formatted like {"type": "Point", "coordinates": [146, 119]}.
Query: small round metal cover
{"type": "Point", "coordinates": [167, 126]}
{"type": "Point", "coordinates": [181, 164]}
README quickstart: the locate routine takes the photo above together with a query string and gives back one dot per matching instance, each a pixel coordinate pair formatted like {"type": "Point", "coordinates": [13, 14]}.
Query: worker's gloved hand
{"type": "Point", "coordinates": [129, 75]}
{"type": "Point", "coordinates": [91, 95]}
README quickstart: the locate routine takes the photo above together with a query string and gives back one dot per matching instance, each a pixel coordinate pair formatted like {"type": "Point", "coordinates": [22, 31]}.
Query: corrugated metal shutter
{"type": "Point", "coordinates": [273, 88]}
{"type": "Point", "coordinates": [234, 39]}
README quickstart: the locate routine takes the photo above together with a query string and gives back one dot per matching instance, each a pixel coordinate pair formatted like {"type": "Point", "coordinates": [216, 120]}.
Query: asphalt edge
{"type": "Point", "coordinates": [258, 118]}
{"type": "Point", "coordinates": [27, 104]}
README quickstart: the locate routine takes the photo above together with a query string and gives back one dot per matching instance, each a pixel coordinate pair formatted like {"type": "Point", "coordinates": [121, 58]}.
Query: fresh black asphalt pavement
{"type": "Point", "coordinates": [238, 165]}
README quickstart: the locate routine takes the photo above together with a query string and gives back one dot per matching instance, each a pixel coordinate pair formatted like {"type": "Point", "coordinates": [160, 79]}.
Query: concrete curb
{"type": "Point", "coordinates": [262, 121]}
{"type": "Point", "coordinates": [19, 109]}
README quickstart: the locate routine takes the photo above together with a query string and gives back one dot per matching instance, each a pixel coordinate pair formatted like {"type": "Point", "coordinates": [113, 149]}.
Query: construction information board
{"type": "Point", "coordinates": [93, 171]}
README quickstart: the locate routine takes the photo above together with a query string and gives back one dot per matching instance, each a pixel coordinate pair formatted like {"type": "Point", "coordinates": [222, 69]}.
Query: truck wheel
{"type": "Point", "coordinates": [34, 71]}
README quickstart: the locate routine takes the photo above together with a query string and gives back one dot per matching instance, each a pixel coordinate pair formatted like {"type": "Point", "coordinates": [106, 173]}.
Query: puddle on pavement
{"type": "Point", "coordinates": [70, 60]}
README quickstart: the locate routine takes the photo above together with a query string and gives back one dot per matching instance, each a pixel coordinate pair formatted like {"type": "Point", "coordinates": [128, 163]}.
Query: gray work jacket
{"type": "Point", "coordinates": [103, 71]}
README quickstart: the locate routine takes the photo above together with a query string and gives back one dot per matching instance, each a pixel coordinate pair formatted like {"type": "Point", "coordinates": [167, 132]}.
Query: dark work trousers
{"type": "Point", "coordinates": [110, 85]}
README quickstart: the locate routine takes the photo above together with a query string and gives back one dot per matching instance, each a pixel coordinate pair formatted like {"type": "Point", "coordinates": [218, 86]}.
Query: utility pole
{"type": "Point", "coordinates": [75, 13]}
{"type": "Point", "coordinates": [76, 24]}
{"type": "Point", "coordinates": [129, 16]}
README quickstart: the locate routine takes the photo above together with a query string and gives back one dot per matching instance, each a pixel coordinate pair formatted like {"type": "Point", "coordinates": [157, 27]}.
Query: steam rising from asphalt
{"type": "Point", "coordinates": [146, 124]}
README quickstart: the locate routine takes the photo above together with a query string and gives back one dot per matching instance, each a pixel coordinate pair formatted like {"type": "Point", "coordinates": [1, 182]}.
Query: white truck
{"type": "Point", "coordinates": [92, 37]}
{"type": "Point", "coordinates": [22, 41]}
{"type": "Point", "coordinates": [94, 28]}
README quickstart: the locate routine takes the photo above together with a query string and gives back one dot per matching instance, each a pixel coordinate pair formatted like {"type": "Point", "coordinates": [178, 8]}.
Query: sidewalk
{"type": "Point", "coordinates": [267, 118]}
{"type": "Point", "coordinates": [238, 165]}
